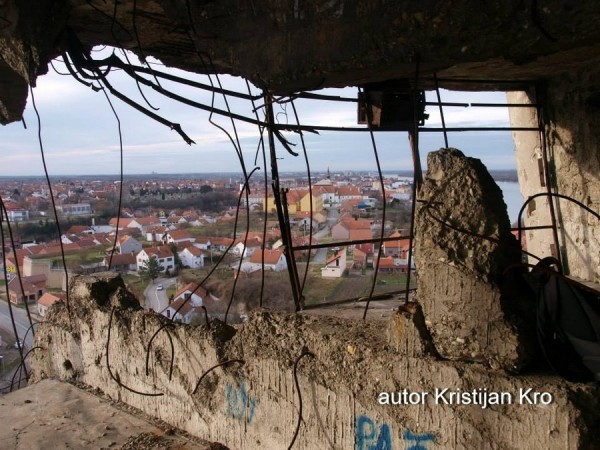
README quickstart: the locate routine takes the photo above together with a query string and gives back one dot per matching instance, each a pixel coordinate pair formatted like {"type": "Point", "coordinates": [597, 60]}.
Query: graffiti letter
{"type": "Point", "coordinates": [365, 433]}
{"type": "Point", "coordinates": [420, 440]}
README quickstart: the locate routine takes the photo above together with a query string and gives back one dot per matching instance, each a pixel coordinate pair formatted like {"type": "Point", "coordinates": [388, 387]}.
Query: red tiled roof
{"type": "Point", "coordinates": [200, 291]}
{"type": "Point", "coordinates": [337, 255]}
{"type": "Point", "coordinates": [185, 309]}
{"type": "Point", "coordinates": [387, 262]}
{"type": "Point", "coordinates": [123, 221]}
{"type": "Point", "coordinates": [77, 229]}
{"type": "Point", "coordinates": [271, 256]}
{"type": "Point", "coordinates": [120, 259]}
{"type": "Point", "coordinates": [194, 250]}
{"type": "Point", "coordinates": [356, 224]}
{"type": "Point", "coordinates": [48, 299]}
{"type": "Point", "coordinates": [180, 234]}
{"type": "Point", "coordinates": [164, 251]}
{"type": "Point", "coordinates": [360, 234]}
{"type": "Point", "coordinates": [348, 190]}
{"type": "Point", "coordinates": [148, 220]}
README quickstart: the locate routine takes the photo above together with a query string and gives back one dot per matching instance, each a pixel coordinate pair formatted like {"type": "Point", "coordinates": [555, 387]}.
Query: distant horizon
{"type": "Point", "coordinates": [80, 133]}
{"type": "Point", "coordinates": [399, 172]}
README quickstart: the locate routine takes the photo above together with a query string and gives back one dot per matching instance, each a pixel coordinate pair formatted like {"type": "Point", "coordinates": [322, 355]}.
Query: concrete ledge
{"type": "Point", "coordinates": [51, 414]}
{"type": "Point", "coordinates": [255, 405]}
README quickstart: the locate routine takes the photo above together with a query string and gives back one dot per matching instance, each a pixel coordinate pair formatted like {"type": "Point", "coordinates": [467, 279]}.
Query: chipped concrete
{"type": "Point", "coordinates": [472, 308]}
{"type": "Point", "coordinates": [255, 405]}
{"type": "Point", "coordinates": [571, 114]}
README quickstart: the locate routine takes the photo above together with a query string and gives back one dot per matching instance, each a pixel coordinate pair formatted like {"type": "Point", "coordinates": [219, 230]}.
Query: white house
{"type": "Point", "coordinates": [335, 266]}
{"type": "Point", "coordinates": [181, 310]}
{"type": "Point", "coordinates": [177, 236]}
{"type": "Point", "coordinates": [252, 244]}
{"type": "Point", "coordinates": [203, 243]}
{"type": "Point", "coordinates": [163, 254]}
{"type": "Point", "coordinates": [46, 301]}
{"type": "Point", "coordinates": [192, 257]}
{"type": "Point", "coordinates": [187, 303]}
{"type": "Point", "coordinates": [274, 259]}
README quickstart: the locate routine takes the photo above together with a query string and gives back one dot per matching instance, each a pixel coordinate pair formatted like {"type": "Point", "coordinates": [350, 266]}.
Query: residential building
{"type": "Point", "coordinates": [162, 254]}
{"type": "Point", "coordinates": [335, 265]}
{"type": "Point", "coordinates": [121, 262]}
{"type": "Point", "coordinates": [252, 244]}
{"type": "Point", "coordinates": [16, 213]}
{"type": "Point", "coordinates": [342, 230]}
{"type": "Point", "coordinates": [177, 236]}
{"type": "Point", "coordinates": [192, 257]}
{"type": "Point", "coordinates": [74, 209]}
{"type": "Point", "coordinates": [187, 303]}
{"type": "Point", "coordinates": [181, 310]}
{"type": "Point", "coordinates": [274, 260]}
{"type": "Point", "coordinates": [349, 193]}
{"type": "Point", "coordinates": [399, 248]}
{"type": "Point", "coordinates": [33, 288]}
{"type": "Point", "coordinates": [128, 244]}
{"type": "Point", "coordinates": [47, 300]}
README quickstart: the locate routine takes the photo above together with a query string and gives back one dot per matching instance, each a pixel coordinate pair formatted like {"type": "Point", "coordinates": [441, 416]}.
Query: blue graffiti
{"type": "Point", "coordinates": [238, 402]}
{"type": "Point", "coordinates": [420, 441]}
{"type": "Point", "coordinates": [371, 437]}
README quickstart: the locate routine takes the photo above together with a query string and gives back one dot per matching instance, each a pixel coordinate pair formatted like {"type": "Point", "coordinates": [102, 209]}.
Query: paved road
{"type": "Point", "coordinates": [21, 321]}
{"type": "Point", "coordinates": [157, 300]}
{"type": "Point", "coordinates": [332, 217]}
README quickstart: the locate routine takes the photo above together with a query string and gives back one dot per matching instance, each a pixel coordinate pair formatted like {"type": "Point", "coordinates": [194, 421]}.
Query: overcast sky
{"type": "Point", "coordinates": [80, 136]}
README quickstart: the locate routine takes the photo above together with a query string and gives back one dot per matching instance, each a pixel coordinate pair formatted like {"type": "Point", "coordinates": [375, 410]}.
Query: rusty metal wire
{"type": "Point", "coordinates": [171, 364]}
{"type": "Point", "coordinates": [310, 198]}
{"type": "Point", "coordinates": [224, 363]}
{"type": "Point", "coordinates": [22, 366]}
{"type": "Point", "coordinates": [4, 214]}
{"type": "Point", "coordinates": [110, 372]}
{"type": "Point", "coordinates": [382, 236]}
{"type": "Point", "coordinates": [52, 201]}
{"type": "Point", "coordinates": [206, 316]}
{"type": "Point", "coordinates": [261, 147]}
{"type": "Point", "coordinates": [302, 355]}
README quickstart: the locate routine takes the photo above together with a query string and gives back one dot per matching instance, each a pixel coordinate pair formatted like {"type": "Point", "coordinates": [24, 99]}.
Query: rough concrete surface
{"type": "Point", "coordinates": [55, 415]}
{"type": "Point", "coordinates": [255, 404]}
{"type": "Point", "coordinates": [285, 46]}
{"type": "Point", "coordinates": [472, 308]}
{"type": "Point", "coordinates": [571, 116]}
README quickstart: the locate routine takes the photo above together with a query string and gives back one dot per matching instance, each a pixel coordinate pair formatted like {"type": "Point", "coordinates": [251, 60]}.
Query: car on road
{"type": "Point", "coordinates": [159, 287]}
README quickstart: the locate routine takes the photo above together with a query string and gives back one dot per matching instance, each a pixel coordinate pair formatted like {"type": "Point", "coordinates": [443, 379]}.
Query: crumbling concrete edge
{"type": "Point", "coordinates": [244, 406]}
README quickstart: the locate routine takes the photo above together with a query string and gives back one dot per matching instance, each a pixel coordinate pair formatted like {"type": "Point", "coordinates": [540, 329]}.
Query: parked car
{"type": "Point", "coordinates": [159, 287]}
{"type": "Point", "coordinates": [18, 344]}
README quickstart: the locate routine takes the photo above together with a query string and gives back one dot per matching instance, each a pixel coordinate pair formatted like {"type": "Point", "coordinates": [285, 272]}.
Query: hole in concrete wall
{"type": "Point", "coordinates": [349, 173]}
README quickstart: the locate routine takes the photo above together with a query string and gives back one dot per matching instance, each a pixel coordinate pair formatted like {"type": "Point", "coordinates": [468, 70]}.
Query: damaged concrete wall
{"type": "Point", "coordinates": [463, 244]}
{"type": "Point", "coordinates": [572, 108]}
{"type": "Point", "coordinates": [256, 405]}
{"type": "Point", "coordinates": [284, 46]}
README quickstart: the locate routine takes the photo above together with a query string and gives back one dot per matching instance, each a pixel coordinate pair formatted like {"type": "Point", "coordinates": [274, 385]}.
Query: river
{"type": "Point", "coordinates": [512, 197]}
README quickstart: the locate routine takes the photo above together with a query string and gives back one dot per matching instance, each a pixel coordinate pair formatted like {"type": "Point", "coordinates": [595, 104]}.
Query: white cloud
{"type": "Point", "coordinates": [80, 135]}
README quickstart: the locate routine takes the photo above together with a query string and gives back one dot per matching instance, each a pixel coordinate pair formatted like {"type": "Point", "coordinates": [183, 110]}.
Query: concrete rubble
{"type": "Point", "coordinates": [474, 309]}
{"type": "Point", "coordinates": [255, 404]}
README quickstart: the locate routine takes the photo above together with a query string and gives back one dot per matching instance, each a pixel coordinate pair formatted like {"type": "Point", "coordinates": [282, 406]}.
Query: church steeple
{"type": "Point", "coordinates": [328, 174]}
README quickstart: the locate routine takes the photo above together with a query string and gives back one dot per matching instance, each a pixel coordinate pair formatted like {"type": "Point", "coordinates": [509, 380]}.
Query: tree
{"type": "Point", "coordinates": [176, 258]}
{"type": "Point", "coordinates": [205, 189]}
{"type": "Point", "coordinates": [150, 269]}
